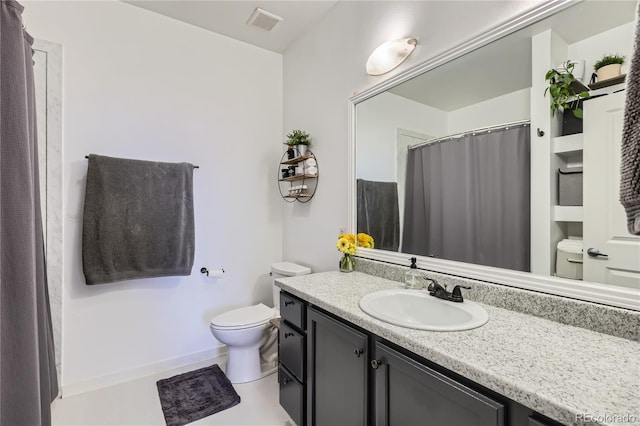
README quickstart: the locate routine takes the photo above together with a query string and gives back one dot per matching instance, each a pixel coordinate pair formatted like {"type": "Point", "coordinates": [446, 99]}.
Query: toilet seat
{"type": "Point", "coordinates": [247, 317]}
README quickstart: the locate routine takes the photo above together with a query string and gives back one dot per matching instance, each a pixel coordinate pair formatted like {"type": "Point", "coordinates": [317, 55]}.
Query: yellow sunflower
{"type": "Point", "coordinates": [350, 237]}
{"type": "Point", "coordinates": [351, 249]}
{"type": "Point", "coordinates": [343, 245]}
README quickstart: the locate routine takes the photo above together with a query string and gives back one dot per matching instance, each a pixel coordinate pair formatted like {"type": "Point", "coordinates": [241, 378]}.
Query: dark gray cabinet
{"type": "Point", "coordinates": [333, 373]}
{"type": "Point", "coordinates": [337, 372]}
{"type": "Point", "coordinates": [410, 393]}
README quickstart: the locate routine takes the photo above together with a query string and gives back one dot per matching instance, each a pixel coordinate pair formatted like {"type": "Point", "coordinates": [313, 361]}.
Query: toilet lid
{"type": "Point", "coordinates": [289, 269]}
{"type": "Point", "coordinates": [244, 317]}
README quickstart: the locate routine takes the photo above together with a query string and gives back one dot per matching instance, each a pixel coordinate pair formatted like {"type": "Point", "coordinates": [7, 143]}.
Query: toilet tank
{"type": "Point", "coordinates": [285, 269]}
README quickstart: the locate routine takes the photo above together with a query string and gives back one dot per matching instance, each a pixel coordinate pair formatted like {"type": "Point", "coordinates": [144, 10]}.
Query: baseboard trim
{"type": "Point", "coordinates": [139, 372]}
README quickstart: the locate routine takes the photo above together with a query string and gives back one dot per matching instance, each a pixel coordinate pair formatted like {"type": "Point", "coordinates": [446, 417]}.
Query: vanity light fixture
{"type": "Point", "coordinates": [389, 55]}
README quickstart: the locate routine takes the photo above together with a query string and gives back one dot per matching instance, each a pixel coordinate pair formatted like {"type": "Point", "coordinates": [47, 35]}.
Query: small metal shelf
{"type": "Point", "coordinates": [293, 197]}
{"type": "Point", "coordinates": [309, 181]}
{"type": "Point", "coordinates": [297, 159]}
{"type": "Point", "coordinates": [295, 178]}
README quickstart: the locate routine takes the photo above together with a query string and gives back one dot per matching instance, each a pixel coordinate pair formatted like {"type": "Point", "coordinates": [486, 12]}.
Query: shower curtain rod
{"type": "Point", "coordinates": [481, 129]}
{"type": "Point", "coordinates": [195, 167]}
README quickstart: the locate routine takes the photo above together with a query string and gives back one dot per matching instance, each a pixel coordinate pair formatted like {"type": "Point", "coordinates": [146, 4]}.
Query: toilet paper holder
{"type": "Point", "coordinates": [205, 271]}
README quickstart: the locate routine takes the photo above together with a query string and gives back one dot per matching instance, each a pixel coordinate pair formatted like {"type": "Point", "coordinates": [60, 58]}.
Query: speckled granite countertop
{"type": "Point", "coordinates": [558, 370]}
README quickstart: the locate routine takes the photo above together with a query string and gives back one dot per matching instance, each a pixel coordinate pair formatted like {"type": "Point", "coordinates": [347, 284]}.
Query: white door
{"type": "Point", "coordinates": [605, 222]}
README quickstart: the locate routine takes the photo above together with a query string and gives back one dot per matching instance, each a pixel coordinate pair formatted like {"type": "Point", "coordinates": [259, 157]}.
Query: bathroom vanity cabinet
{"type": "Point", "coordinates": [354, 377]}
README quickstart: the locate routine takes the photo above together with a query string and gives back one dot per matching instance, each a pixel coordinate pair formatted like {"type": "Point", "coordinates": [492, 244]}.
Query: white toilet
{"type": "Point", "coordinates": [244, 329]}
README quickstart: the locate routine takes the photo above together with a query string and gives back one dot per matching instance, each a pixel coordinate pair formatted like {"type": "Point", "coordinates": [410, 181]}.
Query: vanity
{"type": "Point", "coordinates": [340, 366]}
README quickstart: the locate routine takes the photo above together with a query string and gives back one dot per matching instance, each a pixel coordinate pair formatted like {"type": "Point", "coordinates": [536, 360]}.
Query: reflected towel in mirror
{"type": "Point", "coordinates": [378, 213]}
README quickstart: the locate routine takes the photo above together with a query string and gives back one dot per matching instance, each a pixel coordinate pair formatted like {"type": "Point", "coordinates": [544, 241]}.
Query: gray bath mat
{"type": "Point", "coordinates": [191, 396]}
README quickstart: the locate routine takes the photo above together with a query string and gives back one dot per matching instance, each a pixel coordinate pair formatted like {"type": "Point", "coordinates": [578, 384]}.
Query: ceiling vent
{"type": "Point", "coordinates": [264, 20]}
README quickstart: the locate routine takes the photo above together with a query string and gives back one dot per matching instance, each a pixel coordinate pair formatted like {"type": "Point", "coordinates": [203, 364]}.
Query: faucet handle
{"type": "Point", "coordinates": [456, 294]}
{"type": "Point", "coordinates": [437, 290]}
{"type": "Point", "coordinates": [433, 284]}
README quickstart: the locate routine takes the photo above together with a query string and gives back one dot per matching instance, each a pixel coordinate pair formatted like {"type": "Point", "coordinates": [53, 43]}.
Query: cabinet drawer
{"type": "Point", "coordinates": [292, 310]}
{"type": "Point", "coordinates": [292, 344]}
{"type": "Point", "coordinates": [291, 395]}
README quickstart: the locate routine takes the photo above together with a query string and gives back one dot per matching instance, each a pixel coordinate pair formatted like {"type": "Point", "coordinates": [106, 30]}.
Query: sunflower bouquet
{"type": "Point", "coordinates": [347, 244]}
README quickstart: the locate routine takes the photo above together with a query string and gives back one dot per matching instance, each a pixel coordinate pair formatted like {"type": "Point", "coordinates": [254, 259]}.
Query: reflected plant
{"type": "Point", "coordinates": [563, 95]}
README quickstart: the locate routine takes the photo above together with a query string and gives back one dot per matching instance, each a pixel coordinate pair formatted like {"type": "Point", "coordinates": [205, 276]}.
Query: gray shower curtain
{"type": "Point", "coordinates": [28, 381]}
{"type": "Point", "coordinates": [468, 199]}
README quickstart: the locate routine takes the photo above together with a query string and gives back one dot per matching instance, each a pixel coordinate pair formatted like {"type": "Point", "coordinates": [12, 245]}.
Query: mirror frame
{"type": "Point", "coordinates": [586, 291]}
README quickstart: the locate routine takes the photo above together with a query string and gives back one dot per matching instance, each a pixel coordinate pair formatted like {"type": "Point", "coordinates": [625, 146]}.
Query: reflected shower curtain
{"type": "Point", "coordinates": [468, 199]}
{"type": "Point", "coordinates": [28, 381]}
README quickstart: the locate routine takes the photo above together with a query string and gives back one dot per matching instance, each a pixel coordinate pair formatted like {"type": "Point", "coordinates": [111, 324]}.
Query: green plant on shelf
{"type": "Point", "coordinates": [609, 60]}
{"type": "Point", "coordinates": [298, 137]}
{"type": "Point", "coordinates": [563, 95]}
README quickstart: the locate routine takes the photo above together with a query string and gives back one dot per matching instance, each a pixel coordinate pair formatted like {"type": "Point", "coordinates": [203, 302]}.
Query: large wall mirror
{"type": "Point", "coordinates": [461, 163]}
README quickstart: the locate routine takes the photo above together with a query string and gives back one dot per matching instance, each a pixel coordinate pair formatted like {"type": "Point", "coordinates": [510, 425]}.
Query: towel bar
{"type": "Point", "coordinates": [195, 167]}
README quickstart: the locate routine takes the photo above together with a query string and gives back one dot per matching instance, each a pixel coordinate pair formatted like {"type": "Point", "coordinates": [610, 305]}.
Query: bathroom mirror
{"type": "Point", "coordinates": [456, 161]}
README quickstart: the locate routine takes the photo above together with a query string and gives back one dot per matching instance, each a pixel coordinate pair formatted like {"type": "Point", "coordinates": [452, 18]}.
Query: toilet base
{"type": "Point", "coordinates": [243, 364]}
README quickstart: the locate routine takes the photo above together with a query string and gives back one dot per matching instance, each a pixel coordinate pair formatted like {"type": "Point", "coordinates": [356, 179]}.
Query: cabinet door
{"type": "Point", "coordinates": [337, 368]}
{"type": "Point", "coordinates": [409, 393]}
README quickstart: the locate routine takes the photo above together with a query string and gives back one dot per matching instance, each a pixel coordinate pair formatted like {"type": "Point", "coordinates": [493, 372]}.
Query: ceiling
{"type": "Point", "coordinates": [505, 66]}
{"type": "Point", "coordinates": [229, 18]}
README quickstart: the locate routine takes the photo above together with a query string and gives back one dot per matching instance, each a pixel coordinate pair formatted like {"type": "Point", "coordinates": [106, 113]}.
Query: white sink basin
{"type": "Point", "coordinates": [417, 309]}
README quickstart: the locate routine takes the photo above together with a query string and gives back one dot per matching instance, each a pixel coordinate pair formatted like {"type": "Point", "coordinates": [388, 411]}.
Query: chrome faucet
{"type": "Point", "coordinates": [436, 290]}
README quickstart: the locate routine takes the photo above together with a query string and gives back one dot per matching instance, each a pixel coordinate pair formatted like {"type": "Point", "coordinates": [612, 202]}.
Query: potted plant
{"type": "Point", "coordinates": [566, 96]}
{"type": "Point", "coordinates": [300, 139]}
{"type": "Point", "coordinates": [609, 66]}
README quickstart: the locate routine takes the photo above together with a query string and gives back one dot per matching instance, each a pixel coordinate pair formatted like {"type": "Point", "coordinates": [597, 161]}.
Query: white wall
{"type": "Point", "coordinates": [140, 85]}
{"type": "Point", "coordinates": [326, 66]}
{"type": "Point", "coordinates": [377, 121]}
{"type": "Point", "coordinates": [507, 108]}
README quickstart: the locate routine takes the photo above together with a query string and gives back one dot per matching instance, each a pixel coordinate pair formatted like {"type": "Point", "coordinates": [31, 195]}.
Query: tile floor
{"type": "Point", "coordinates": [136, 403]}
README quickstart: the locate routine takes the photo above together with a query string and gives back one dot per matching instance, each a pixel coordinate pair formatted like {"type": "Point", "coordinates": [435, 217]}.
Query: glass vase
{"type": "Point", "coordinates": [347, 263]}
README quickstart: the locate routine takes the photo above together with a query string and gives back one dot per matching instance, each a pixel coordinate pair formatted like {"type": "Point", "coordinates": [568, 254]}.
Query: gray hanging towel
{"type": "Point", "coordinates": [630, 167]}
{"type": "Point", "coordinates": [138, 220]}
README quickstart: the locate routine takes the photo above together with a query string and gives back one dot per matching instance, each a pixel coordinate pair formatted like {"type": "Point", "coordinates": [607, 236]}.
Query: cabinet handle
{"type": "Point", "coordinates": [285, 380]}
{"type": "Point", "coordinates": [357, 352]}
{"type": "Point", "coordinates": [375, 363]}
{"type": "Point", "coordinates": [286, 335]}
{"type": "Point", "coordinates": [289, 302]}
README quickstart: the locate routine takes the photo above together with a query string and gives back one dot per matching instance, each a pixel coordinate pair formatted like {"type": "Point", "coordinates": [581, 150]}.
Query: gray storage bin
{"type": "Point", "coordinates": [568, 265]}
{"type": "Point", "coordinates": [570, 186]}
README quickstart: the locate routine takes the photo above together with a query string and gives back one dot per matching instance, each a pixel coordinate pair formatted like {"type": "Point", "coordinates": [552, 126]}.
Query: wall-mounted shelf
{"type": "Point", "coordinates": [305, 183]}
{"type": "Point", "coordinates": [298, 196]}
{"type": "Point", "coordinates": [567, 213]}
{"type": "Point", "coordinates": [570, 144]}
{"type": "Point", "coordinates": [296, 160]}
{"type": "Point", "coordinates": [296, 178]}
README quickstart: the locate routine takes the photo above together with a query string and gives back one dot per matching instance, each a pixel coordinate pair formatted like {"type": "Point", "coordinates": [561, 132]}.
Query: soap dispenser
{"type": "Point", "coordinates": [413, 277]}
